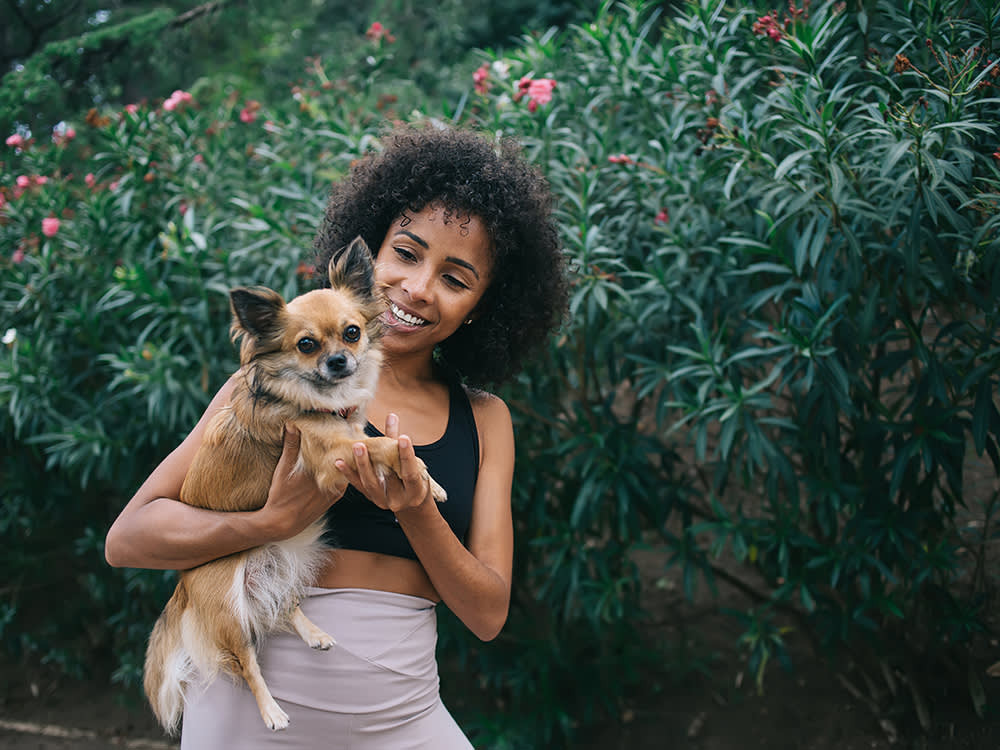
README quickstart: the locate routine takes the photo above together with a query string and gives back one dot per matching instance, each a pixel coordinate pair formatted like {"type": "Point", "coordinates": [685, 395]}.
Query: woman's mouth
{"type": "Point", "coordinates": [404, 317]}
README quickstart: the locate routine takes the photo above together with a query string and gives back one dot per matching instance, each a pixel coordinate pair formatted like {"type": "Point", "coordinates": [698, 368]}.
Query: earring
{"type": "Point", "coordinates": [468, 322]}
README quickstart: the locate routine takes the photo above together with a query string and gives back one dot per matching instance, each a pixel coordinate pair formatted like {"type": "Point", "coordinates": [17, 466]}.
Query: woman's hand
{"type": "Point", "coordinates": [293, 500]}
{"type": "Point", "coordinates": [396, 493]}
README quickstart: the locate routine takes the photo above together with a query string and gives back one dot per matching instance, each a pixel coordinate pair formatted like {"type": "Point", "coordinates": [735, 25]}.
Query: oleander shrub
{"type": "Point", "coordinates": [779, 359]}
{"type": "Point", "coordinates": [782, 356]}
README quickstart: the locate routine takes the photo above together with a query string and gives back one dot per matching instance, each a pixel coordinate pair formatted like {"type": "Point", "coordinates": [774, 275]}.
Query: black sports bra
{"type": "Point", "coordinates": [354, 522]}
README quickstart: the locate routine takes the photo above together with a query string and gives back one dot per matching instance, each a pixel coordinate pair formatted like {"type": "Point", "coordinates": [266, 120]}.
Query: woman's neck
{"type": "Point", "coordinates": [408, 372]}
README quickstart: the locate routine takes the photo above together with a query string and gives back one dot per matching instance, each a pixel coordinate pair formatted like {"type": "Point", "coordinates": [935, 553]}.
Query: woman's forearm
{"type": "Point", "coordinates": [166, 534]}
{"type": "Point", "coordinates": [474, 591]}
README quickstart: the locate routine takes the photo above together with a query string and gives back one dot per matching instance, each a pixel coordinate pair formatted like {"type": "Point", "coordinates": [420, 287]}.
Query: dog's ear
{"type": "Point", "coordinates": [352, 267]}
{"type": "Point", "coordinates": [257, 312]}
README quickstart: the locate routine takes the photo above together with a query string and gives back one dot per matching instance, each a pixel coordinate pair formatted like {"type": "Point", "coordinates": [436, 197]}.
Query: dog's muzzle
{"type": "Point", "coordinates": [339, 365]}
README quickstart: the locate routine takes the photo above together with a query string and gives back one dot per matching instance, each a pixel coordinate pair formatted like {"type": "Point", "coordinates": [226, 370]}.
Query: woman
{"type": "Point", "coordinates": [467, 253]}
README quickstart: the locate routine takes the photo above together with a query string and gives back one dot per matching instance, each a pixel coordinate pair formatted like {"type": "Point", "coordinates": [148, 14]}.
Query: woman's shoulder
{"type": "Point", "coordinates": [489, 409]}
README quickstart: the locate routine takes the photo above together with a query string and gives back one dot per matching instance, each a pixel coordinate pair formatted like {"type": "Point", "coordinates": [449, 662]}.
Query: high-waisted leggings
{"type": "Point", "coordinates": [376, 689]}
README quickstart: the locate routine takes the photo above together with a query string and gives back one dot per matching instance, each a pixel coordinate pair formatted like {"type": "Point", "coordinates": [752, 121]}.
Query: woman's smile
{"type": "Point", "coordinates": [396, 315]}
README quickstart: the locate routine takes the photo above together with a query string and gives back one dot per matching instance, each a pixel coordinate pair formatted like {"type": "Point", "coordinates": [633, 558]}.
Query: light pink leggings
{"type": "Point", "coordinates": [376, 689]}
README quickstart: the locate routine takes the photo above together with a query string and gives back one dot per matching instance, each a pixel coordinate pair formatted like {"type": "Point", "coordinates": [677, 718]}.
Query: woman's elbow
{"type": "Point", "coordinates": [113, 549]}
{"type": "Point", "coordinates": [489, 627]}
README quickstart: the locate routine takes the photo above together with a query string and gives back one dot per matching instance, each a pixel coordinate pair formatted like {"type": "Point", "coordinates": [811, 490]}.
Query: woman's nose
{"type": "Point", "coordinates": [418, 285]}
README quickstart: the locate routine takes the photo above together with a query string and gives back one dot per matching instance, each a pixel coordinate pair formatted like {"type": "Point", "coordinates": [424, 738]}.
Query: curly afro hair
{"type": "Point", "coordinates": [464, 173]}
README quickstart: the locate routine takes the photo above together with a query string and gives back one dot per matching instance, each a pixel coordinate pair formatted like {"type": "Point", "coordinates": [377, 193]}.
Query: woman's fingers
{"type": "Point", "coordinates": [392, 426]}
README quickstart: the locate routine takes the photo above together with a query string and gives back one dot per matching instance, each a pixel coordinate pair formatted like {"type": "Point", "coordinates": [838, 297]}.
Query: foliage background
{"type": "Point", "coordinates": [780, 359]}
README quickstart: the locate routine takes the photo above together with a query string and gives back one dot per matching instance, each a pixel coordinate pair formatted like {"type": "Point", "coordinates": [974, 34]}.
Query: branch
{"type": "Point", "coordinates": [185, 18]}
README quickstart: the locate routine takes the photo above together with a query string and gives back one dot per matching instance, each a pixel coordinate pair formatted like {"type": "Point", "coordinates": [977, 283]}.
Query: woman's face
{"type": "Point", "coordinates": [434, 270]}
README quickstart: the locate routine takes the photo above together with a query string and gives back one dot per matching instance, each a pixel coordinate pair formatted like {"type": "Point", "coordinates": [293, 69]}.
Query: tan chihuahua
{"type": "Point", "coordinates": [314, 364]}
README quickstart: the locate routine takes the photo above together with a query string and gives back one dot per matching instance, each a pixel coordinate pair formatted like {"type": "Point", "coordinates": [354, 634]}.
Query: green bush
{"type": "Point", "coordinates": [785, 231]}
{"type": "Point", "coordinates": [780, 356]}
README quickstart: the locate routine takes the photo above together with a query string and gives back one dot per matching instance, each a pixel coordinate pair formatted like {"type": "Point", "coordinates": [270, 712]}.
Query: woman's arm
{"type": "Point", "coordinates": [473, 582]}
{"type": "Point", "coordinates": [156, 530]}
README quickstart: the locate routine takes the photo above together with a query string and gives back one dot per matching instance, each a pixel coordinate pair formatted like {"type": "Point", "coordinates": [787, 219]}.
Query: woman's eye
{"type": "Point", "coordinates": [405, 254]}
{"type": "Point", "coordinates": [307, 346]}
{"type": "Point", "coordinates": [352, 334]}
{"type": "Point", "coordinates": [458, 284]}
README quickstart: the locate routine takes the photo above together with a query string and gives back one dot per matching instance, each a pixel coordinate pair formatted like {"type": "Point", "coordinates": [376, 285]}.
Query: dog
{"type": "Point", "coordinates": [312, 363]}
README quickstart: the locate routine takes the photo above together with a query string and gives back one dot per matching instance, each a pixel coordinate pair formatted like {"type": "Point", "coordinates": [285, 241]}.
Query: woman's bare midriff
{"type": "Point", "coordinates": [355, 569]}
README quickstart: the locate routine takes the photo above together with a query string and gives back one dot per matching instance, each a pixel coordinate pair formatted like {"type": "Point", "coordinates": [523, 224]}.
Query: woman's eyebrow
{"type": "Point", "coordinates": [416, 238]}
{"type": "Point", "coordinates": [463, 264]}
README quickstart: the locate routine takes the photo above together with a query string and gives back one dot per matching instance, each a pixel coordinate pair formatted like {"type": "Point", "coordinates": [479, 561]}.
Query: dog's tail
{"type": "Point", "coordinates": [168, 665]}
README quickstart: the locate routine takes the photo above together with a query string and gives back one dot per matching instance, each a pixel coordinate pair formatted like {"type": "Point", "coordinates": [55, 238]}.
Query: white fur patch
{"type": "Point", "coordinates": [273, 578]}
{"type": "Point", "coordinates": [178, 671]}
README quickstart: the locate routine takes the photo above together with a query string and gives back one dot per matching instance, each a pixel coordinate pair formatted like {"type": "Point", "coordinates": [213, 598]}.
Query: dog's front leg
{"type": "Point", "coordinates": [318, 453]}
{"type": "Point", "coordinates": [384, 454]}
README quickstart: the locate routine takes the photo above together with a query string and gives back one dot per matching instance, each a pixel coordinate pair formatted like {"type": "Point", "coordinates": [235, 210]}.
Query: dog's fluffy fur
{"type": "Point", "coordinates": [313, 363]}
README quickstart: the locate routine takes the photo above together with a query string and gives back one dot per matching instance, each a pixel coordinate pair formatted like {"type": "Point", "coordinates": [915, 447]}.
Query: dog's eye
{"type": "Point", "coordinates": [307, 346]}
{"type": "Point", "coordinates": [352, 334]}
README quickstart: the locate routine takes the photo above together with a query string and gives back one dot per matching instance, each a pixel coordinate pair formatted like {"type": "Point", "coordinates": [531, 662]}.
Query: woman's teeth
{"type": "Point", "coordinates": [412, 320]}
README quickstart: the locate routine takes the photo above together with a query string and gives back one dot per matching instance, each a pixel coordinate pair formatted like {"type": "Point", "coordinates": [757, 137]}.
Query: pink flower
{"type": "Point", "coordinates": [40, 180]}
{"type": "Point", "coordinates": [539, 91]}
{"type": "Point", "coordinates": [23, 181]}
{"type": "Point", "coordinates": [480, 78]}
{"type": "Point", "coordinates": [176, 98]}
{"type": "Point", "coordinates": [16, 140]}
{"type": "Point", "coordinates": [996, 155]}
{"type": "Point", "coordinates": [377, 32]}
{"type": "Point", "coordinates": [249, 111]}
{"type": "Point", "coordinates": [18, 256]}
{"type": "Point", "coordinates": [768, 26]}
{"type": "Point", "coordinates": [113, 186]}
{"type": "Point", "coordinates": [131, 108]}
{"type": "Point", "coordinates": [620, 159]}
{"type": "Point", "coordinates": [89, 180]}
{"type": "Point", "coordinates": [199, 159]}
{"type": "Point", "coordinates": [50, 226]}
{"type": "Point", "coordinates": [663, 217]}
{"type": "Point", "coordinates": [63, 134]}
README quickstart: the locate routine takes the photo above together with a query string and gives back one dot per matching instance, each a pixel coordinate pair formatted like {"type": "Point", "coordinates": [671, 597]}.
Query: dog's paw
{"type": "Point", "coordinates": [274, 717]}
{"type": "Point", "coordinates": [437, 491]}
{"type": "Point", "coordinates": [321, 641]}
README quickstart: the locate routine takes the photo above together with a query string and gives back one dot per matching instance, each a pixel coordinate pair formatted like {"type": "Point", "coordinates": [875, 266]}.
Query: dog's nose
{"type": "Point", "coordinates": [336, 363]}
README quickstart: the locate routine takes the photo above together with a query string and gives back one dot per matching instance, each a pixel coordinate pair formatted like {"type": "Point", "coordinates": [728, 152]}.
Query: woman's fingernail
{"type": "Point", "coordinates": [359, 450]}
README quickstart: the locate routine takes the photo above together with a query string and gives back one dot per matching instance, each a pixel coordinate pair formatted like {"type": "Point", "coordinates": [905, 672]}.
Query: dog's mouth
{"type": "Point", "coordinates": [404, 317]}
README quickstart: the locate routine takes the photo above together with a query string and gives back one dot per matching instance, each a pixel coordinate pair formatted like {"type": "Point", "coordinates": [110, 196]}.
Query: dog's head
{"type": "Point", "coordinates": [320, 350]}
